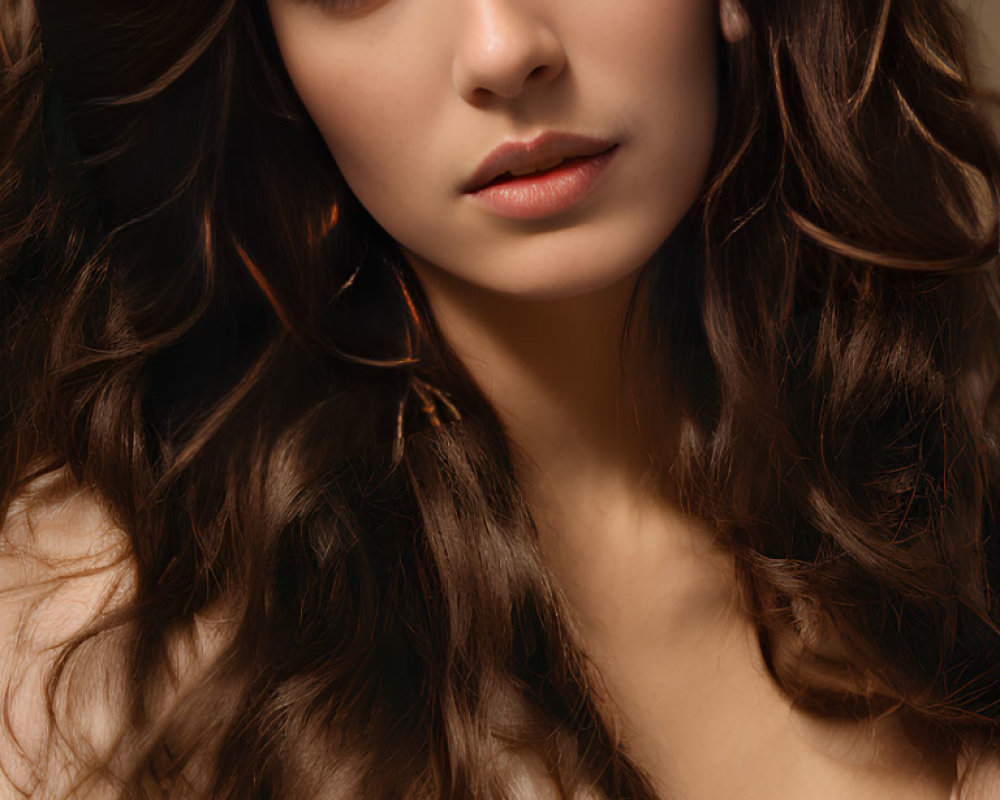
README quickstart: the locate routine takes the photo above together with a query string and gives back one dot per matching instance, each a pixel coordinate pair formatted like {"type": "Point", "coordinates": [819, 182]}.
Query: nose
{"type": "Point", "coordinates": [502, 45]}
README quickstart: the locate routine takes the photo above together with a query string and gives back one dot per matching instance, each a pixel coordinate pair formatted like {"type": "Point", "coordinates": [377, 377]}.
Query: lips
{"type": "Point", "coordinates": [539, 154]}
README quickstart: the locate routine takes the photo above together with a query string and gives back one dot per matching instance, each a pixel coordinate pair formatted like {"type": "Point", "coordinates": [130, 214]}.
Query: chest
{"type": "Point", "coordinates": [679, 670]}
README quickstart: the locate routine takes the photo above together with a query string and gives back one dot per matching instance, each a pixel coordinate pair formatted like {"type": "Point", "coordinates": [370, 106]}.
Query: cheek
{"type": "Point", "coordinates": [682, 77]}
{"type": "Point", "coordinates": [657, 65]}
{"type": "Point", "coordinates": [666, 60]}
{"type": "Point", "coordinates": [349, 117]}
{"type": "Point", "coordinates": [660, 66]}
{"type": "Point", "coordinates": [357, 102]}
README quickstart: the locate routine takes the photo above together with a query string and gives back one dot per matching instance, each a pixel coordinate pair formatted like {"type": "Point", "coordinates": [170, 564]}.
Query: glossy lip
{"type": "Point", "coordinates": [517, 156]}
{"type": "Point", "coordinates": [544, 194]}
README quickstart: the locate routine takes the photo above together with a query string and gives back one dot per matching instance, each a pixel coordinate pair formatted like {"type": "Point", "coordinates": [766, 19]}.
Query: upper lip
{"type": "Point", "coordinates": [525, 155]}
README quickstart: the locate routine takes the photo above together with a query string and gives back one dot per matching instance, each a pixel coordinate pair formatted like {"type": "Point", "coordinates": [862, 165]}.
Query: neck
{"type": "Point", "coordinates": [556, 374]}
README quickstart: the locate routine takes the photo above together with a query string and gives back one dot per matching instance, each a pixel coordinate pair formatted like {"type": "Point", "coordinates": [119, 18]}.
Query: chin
{"type": "Point", "coordinates": [566, 287]}
{"type": "Point", "coordinates": [542, 274]}
{"type": "Point", "coordinates": [573, 277]}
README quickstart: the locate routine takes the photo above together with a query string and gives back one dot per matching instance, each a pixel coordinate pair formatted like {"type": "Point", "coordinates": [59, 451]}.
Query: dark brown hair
{"type": "Point", "coordinates": [257, 395]}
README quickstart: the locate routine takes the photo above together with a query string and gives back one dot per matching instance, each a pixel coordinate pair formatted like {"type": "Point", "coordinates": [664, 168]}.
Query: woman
{"type": "Point", "coordinates": [484, 398]}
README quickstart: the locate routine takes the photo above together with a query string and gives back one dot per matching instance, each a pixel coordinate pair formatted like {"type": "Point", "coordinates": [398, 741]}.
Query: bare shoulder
{"type": "Point", "coordinates": [979, 774]}
{"type": "Point", "coordinates": [62, 561]}
{"type": "Point", "coordinates": [63, 565]}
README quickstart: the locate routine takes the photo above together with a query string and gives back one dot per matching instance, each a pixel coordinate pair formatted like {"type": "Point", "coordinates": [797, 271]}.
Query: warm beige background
{"type": "Point", "coordinates": [987, 44]}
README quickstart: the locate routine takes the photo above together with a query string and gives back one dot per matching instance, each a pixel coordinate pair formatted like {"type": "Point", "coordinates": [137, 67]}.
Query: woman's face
{"type": "Point", "coordinates": [412, 95]}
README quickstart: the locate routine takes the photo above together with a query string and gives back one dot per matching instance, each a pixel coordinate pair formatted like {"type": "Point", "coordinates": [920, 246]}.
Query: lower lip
{"type": "Point", "coordinates": [544, 194]}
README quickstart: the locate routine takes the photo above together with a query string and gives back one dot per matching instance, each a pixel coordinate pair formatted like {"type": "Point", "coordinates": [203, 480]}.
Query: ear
{"type": "Point", "coordinates": [733, 20]}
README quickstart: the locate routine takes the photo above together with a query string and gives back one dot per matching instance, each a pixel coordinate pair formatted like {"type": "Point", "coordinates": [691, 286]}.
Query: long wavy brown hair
{"type": "Point", "coordinates": [205, 331]}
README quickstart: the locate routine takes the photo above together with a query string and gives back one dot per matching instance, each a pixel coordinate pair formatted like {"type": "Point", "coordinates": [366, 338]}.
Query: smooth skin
{"type": "Point", "coordinates": [410, 95]}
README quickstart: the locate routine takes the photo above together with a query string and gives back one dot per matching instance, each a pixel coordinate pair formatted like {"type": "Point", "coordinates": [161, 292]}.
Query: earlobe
{"type": "Point", "coordinates": [733, 20]}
